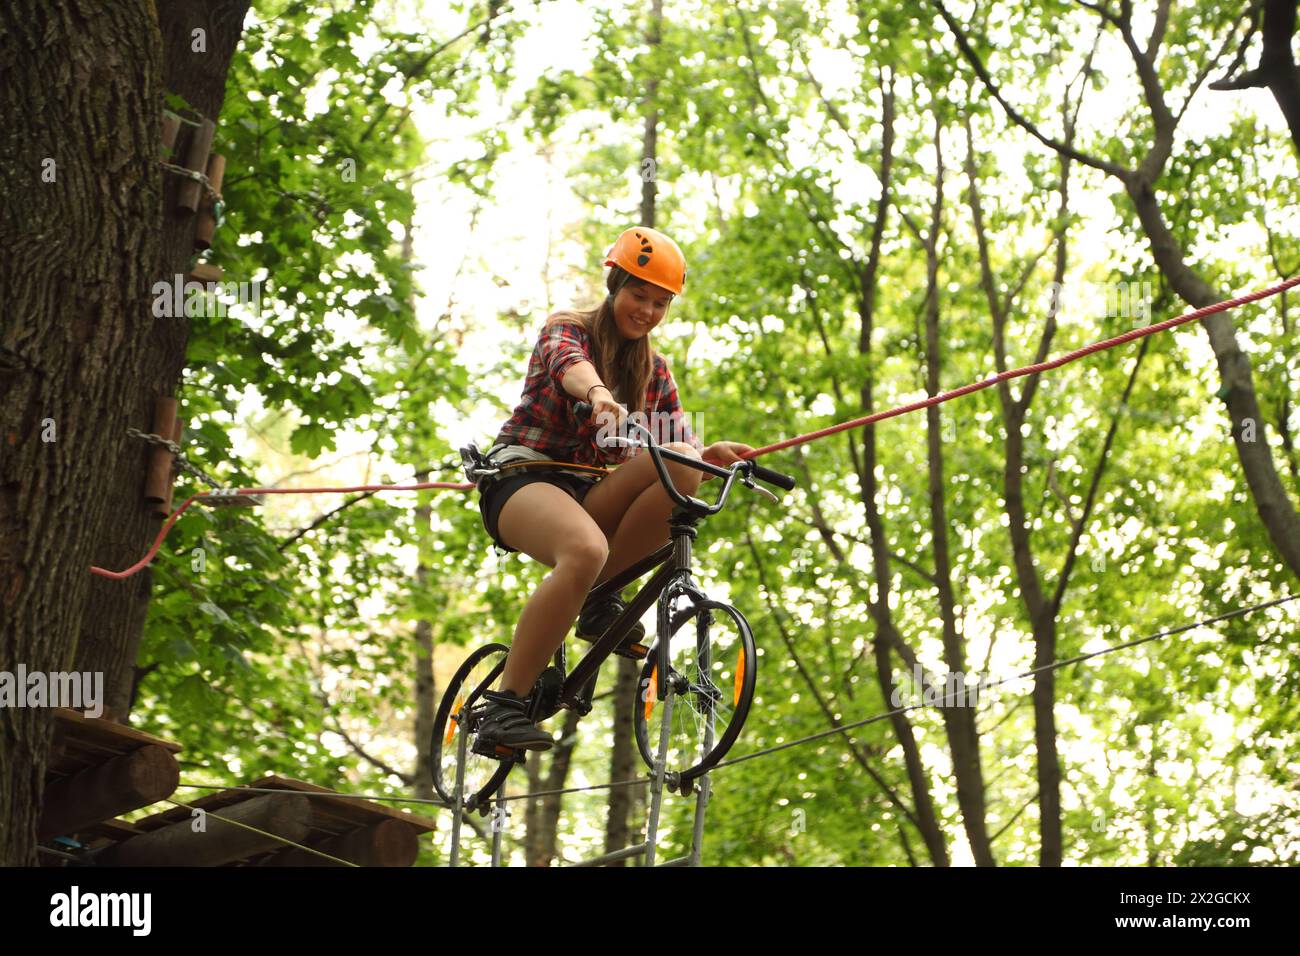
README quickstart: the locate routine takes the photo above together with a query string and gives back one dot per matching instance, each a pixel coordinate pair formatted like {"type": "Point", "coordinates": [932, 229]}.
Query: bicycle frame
{"type": "Point", "coordinates": [673, 578]}
{"type": "Point", "coordinates": [576, 691]}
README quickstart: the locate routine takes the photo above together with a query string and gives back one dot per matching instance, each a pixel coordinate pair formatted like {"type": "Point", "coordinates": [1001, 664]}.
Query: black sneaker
{"type": "Point", "coordinates": [596, 619]}
{"type": "Point", "coordinates": [505, 724]}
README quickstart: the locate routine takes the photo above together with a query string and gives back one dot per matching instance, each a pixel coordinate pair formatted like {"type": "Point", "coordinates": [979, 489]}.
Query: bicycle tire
{"type": "Point", "coordinates": [744, 676]}
{"type": "Point", "coordinates": [443, 749]}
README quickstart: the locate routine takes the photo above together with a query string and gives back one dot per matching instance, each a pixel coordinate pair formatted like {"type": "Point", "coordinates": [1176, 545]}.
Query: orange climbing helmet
{"type": "Point", "coordinates": [650, 255]}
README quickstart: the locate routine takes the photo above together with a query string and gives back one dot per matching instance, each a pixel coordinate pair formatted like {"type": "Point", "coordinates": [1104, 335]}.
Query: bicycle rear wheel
{"type": "Point", "coordinates": [483, 775]}
{"type": "Point", "coordinates": [712, 667]}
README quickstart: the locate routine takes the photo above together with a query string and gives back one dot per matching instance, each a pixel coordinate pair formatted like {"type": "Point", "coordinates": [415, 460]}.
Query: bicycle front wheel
{"type": "Point", "coordinates": [712, 666]}
{"type": "Point", "coordinates": [483, 775]}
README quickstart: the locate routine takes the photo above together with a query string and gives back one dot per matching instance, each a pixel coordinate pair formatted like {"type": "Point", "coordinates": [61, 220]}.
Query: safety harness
{"type": "Point", "coordinates": [481, 470]}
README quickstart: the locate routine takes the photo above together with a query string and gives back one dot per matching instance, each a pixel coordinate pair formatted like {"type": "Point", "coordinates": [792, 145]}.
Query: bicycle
{"type": "Point", "coordinates": [720, 654]}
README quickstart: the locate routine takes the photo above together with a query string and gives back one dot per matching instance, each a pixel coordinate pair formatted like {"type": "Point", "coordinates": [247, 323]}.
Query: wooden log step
{"type": "Point", "coordinates": [219, 843]}
{"type": "Point", "coordinates": [123, 784]}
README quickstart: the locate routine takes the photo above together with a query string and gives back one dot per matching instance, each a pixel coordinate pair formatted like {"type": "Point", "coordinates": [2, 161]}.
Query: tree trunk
{"type": "Point", "coordinates": [620, 826]}
{"type": "Point", "coordinates": [198, 40]}
{"type": "Point", "coordinates": [887, 638]}
{"type": "Point", "coordinates": [958, 716]}
{"type": "Point", "coordinates": [1249, 428]}
{"type": "Point", "coordinates": [425, 692]}
{"type": "Point", "coordinates": [80, 90]}
{"type": "Point", "coordinates": [543, 813]}
{"type": "Point", "coordinates": [649, 143]}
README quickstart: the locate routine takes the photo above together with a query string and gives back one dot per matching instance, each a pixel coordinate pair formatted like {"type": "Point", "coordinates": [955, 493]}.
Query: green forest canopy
{"type": "Point", "coordinates": [373, 361]}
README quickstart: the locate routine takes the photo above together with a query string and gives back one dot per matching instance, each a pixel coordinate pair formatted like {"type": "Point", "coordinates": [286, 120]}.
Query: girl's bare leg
{"type": "Point", "coordinates": [574, 540]}
{"type": "Point", "coordinates": [632, 507]}
{"type": "Point", "coordinates": [545, 523]}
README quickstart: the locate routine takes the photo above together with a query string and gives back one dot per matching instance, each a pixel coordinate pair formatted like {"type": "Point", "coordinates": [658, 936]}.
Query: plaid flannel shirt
{"type": "Point", "coordinates": [544, 418]}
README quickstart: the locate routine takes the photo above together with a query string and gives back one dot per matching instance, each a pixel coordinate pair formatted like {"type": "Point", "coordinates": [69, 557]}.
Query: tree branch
{"type": "Point", "coordinates": [1203, 74]}
{"type": "Point", "coordinates": [494, 10]}
{"type": "Point", "coordinates": [1094, 485]}
{"type": "Point", "coordinates": [417, 477]}
{"type": "Point", "coordinates": [1014, 818]}
{"type": "Point", "coordinates": [1158, 31]}
{"type": "Point", "coordinates": [1277, 68]}
{"type": "Point", "coordinates": [817, 220]}
{"type": "Point", "coordinates": [1251, 78]}
{"type": "Point", "coordinates": [977, 65]}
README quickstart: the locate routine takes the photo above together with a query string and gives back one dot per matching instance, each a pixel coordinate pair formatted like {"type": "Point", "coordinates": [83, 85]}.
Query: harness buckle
{"type": "Point", "coordinates": [476, 465]}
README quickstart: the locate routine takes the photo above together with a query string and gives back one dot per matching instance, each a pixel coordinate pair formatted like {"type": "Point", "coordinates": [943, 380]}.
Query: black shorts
{"type": "Point", "coordinates": [493, 497]}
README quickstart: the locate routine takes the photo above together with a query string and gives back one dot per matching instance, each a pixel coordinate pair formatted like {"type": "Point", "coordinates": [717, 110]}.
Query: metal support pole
{"type": "Point", "coordinates": [705, 788]}
{"type": "Point", "coordinates": [657, 785]}
{"type": "Point", "coordinates": [622, 854]}
{"type": "Point", "coordinates": [697, 837]}
{"type": "Point", "coordinates": [499, 814]}
{"type": "Point", "coordinates": [461, 746]}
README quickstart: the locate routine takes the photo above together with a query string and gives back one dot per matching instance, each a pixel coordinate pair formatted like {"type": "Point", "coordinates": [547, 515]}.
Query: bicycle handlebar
{"type": "Point", "coordinates": [657, 453]}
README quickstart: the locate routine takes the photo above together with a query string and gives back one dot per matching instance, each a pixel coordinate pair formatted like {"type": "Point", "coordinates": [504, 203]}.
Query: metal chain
{"type": "Point", "coordinates": [153, 439]}
{"type": "Point", "coordinates": [198, 177]}
{"type": "Point", "coordinates": [196, 471]}
{"type": "Point", "coordinates": [179, 458]}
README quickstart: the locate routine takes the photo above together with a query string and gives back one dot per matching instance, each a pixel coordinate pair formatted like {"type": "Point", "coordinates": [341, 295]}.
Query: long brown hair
{"type": "Point", "coordinates": [623, 364]}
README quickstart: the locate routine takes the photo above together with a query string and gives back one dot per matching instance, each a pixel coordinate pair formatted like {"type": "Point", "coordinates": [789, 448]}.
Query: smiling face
{"type": "Point", "coordinates": [639, 308]}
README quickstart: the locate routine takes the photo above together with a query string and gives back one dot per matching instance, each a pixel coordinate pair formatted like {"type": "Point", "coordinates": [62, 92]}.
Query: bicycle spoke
{"type": "Point", "coordinates": [711, 661]}
{"type": "Point", "coordinates": [480, 671]}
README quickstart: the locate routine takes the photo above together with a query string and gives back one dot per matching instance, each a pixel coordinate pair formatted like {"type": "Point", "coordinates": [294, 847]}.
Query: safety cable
{"type": "Point", "coordinates": [1065, 359]}
{"type": "Point", "coordinates": [1029, 673]}
{"type": "Point", "coordinates": [313, 793]}
{"type": "Point", "coordinates": [273, 836]}
{"type": "Point", "coordinates": [1056, 665]}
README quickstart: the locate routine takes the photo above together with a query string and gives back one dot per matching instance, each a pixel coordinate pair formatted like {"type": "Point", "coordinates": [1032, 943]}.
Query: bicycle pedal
{"type": "Point", "coordinates": [499, 751]}
{"type": "Point", "coordinates": [633, 652]}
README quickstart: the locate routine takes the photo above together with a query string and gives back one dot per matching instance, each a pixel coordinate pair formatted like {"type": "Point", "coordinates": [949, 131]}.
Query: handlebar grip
{"type": "Point", "coordinates": [777, 478]}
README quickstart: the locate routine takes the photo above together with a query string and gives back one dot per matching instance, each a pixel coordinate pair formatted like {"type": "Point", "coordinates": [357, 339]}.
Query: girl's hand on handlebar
{"type": "Point", "coordinates": [606, 413]}
{"type": "Point", "coordinates": [723, 453]}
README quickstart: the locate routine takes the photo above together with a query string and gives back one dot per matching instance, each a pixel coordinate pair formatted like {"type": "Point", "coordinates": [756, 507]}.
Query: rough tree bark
{"type": "Point", "coordinates": [197, 39]}
{"type": "Point", "coordinates": [81, 93]}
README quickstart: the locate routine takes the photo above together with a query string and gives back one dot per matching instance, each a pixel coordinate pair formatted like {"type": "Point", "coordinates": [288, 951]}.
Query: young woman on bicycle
{"type": "Point", "coordinates": [585, 528]}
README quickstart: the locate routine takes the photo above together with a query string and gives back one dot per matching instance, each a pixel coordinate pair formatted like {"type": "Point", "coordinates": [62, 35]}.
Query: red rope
{"type": "Point", "coordinates": [1031, 369]}
{"type": "Point", "coordinates": [766, 449]}
{"type": "Point", "coordinates": [167, 525]}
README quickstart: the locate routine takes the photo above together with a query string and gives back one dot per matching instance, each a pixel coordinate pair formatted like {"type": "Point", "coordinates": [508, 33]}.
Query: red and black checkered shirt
{"type": "Point", "coordinates": [544, 417]}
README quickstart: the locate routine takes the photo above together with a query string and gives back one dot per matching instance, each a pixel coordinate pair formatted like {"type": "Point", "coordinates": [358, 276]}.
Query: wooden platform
{"type": "Point", "coordinates": [358, 831]}
{"type": "Point", "coordinates": [99, 769]}
{"type": "Point", "coordinates": [81, 742]}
